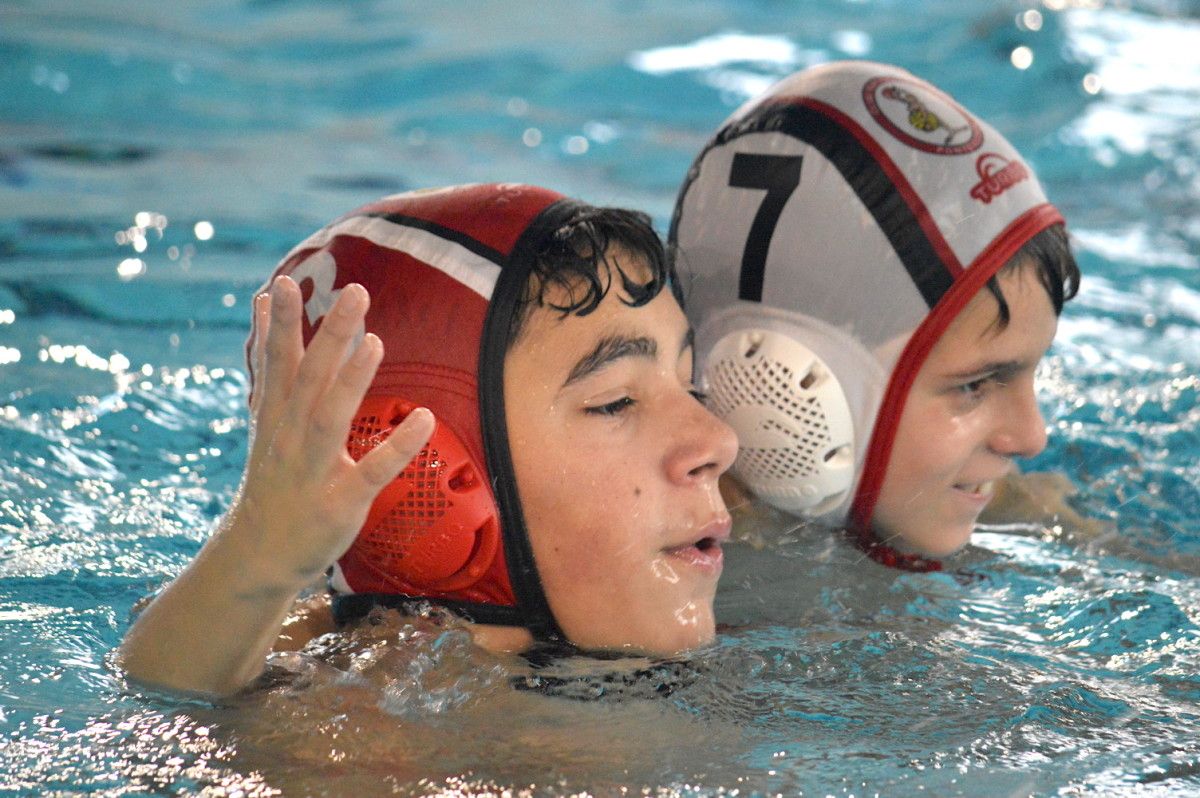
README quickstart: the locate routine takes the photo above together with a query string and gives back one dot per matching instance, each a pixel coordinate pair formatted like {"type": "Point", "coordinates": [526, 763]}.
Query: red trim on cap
{"type": "Point", "coordinates": [879, 453]}
{"type": "Point", "coordinates": [896, 176]}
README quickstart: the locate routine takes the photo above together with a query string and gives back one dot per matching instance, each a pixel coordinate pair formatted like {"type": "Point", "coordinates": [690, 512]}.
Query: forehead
{"type": "Point", "coordinates": [976, 330]}
{"type": "Point", "coordinates": [549, 336]}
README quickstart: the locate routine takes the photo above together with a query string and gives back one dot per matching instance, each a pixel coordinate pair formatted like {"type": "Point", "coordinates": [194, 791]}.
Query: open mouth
{"type": "Point", "coordinates": [704, 552]}
{"type": "Point", "coordinates": [978, 490]}
{"type": "Point", "coordinates": [705, 555]}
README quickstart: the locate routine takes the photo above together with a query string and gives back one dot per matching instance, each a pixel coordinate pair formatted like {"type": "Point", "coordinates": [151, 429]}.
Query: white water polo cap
{"type": "Point", "coordinates": [853, 209]}
{"type": "Point", "coordinates": [445, 270]}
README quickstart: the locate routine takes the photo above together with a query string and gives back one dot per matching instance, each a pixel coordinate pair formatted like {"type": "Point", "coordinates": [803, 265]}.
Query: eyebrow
{"type": "Point", "coordinates": [1000, 369]}
{"type": "Point", "coordinates": [615, 347]}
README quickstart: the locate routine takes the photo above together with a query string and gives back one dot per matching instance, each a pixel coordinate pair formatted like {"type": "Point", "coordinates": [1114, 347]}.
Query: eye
{"type": "Point", "coordinates": [613, 408]}
{"type": "Point", "coordinates": [975, 389]}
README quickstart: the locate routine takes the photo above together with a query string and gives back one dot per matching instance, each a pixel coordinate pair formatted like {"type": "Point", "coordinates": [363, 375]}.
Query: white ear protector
{"type": "Point", "coordinates": [794, 424]}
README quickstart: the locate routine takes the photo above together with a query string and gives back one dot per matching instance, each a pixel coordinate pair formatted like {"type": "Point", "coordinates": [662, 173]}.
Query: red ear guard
{"type": "Point", "coordinates": [449, 528]}
{"type": "Point", "coordinates": [435, 527]}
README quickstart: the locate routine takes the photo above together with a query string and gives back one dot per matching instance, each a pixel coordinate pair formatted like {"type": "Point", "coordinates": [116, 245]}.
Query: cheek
{"type": "Point", "coordinates": [589, 563]}
{"type": "Point", "coordinates": [584, 522]}
{"type": "Point", "coordinates": [911, 455]}
{"type": "Point", "coordinates": [932, 442]}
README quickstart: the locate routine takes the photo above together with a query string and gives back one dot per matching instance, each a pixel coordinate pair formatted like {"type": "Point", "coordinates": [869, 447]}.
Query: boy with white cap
{"type": "Point", "coordinates": [874, 274]}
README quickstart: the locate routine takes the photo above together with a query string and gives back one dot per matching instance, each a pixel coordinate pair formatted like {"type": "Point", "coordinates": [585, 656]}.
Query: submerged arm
{"type": "Point", "coordinates": [1042, 498]}
{"type": "Point", "coordinates": [300, 505]}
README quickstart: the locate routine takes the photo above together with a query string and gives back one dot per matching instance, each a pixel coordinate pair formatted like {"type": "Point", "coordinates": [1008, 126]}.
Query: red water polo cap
{"type": "Point", "coordinates": [445, 269]}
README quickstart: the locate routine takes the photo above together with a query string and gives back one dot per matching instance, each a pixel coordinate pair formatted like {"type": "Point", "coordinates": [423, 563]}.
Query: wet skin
{"type": "Point", "coordinates": [617, 463]}
{"type": "Point", "coordinates": [971, 411]}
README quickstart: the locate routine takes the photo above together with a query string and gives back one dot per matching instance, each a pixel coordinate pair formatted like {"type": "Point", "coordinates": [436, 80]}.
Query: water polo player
{"type": "Point", "coordinates": [569, 492]}
{"type": "Point", "coordinates": [837, 236]}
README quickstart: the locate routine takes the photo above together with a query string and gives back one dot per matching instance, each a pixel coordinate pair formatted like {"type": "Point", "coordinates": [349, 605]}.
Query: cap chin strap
{"type": "Point", "coordinates": [886, 555]}
{"type": "Point", "coordinates": [794, 424]}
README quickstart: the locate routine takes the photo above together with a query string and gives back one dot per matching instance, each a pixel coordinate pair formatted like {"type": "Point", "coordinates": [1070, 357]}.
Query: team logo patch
{"type": "Point", "coordinates": [997, 174]}
{"type": "Point", "coordinates": [921, 117]}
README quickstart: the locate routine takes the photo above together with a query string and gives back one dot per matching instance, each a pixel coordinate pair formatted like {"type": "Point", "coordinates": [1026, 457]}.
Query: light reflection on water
{"type": "Point", "coordinates": [1049, 661]}
{"type": "Point", "coordinates": [1033, 659]}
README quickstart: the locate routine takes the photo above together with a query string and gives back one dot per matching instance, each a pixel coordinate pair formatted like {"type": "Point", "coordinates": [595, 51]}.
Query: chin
{"type": "Point", "coordinates": [948, 542]}
{"type": "Point", "coordinates": [685, 638]}
{"type": "Point", "coordinates": [667, 639]}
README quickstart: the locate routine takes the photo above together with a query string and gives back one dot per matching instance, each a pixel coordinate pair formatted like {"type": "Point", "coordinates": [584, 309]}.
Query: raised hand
{"type": "Point", "coordinates": [301, 490]}
{"type": "Point", "coordinates": [302, 500]}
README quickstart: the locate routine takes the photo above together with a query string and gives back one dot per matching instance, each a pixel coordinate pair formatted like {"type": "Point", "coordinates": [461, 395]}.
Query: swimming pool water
{"type": "Point", "coordinates": [1046, 662]}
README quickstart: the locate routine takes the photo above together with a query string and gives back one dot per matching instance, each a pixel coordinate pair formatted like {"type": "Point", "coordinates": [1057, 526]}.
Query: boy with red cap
{"type": "Point", "coordinates": [563, 490]}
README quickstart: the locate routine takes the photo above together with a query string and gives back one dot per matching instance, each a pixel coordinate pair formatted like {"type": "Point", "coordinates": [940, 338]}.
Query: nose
{"type": "Point", "coordinates": [1020, 429]}
{"type": "Point", "coordinates": [703, 446]}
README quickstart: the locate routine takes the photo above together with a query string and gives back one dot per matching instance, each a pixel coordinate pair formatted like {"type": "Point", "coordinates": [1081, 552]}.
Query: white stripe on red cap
{"type": "Point", "coordinates": [451, 258]}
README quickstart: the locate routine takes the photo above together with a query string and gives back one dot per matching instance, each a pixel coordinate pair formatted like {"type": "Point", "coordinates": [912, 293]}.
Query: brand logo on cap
{"type": "Point", "coordinates": [921, 116]}
{"type": "Point", "coordinates": [997, 174]}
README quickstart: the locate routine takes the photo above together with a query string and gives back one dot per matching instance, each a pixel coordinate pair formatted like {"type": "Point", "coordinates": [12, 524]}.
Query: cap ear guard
{"type": "Point", "coordinates": [793, 421]}
{"type": "Point", "coordinates": [435, 527]}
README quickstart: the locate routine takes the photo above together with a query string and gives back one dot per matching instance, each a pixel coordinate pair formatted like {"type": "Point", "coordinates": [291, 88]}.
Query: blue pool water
{"type": "Point", "coordinates": [156, 160]}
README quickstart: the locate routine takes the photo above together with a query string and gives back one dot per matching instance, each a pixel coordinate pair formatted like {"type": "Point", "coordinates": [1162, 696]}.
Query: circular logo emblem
{"type": "Point", "coordinates": [921, 116]}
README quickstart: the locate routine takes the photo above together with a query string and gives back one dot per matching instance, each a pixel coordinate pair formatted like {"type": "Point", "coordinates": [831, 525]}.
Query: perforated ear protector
{"type": "Point", "coordinates": [794, 425]}
{"type": "Point", "coordinates": [435, 526]}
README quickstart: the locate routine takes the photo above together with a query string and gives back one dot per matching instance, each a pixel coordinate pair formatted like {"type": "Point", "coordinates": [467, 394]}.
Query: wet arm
{"type": "Point", "coordinates": [302, 501]}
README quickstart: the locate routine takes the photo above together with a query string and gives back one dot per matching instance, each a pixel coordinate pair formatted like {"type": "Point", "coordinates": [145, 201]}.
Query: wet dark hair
{"type": "Point", "coordinates": [571, 262]}
{"type": "Point", "coordinates": [1050, 252]}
